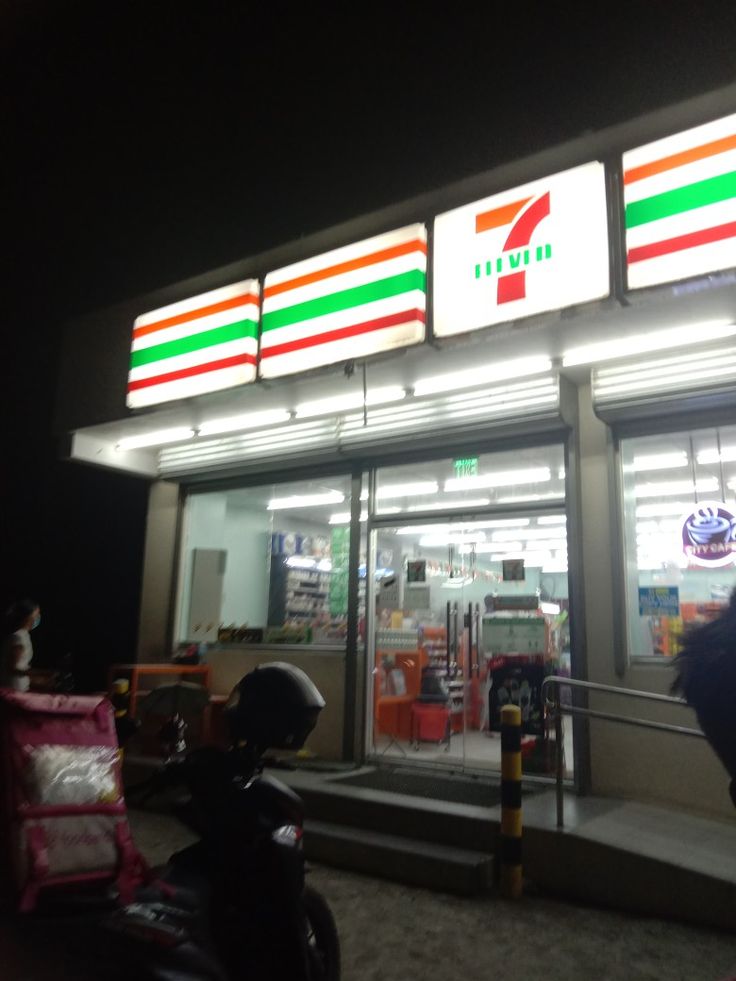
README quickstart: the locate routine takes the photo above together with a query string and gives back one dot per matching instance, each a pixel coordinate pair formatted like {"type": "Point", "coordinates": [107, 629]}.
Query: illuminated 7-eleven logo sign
{"type": "Point", "coordinates": [517, 254]}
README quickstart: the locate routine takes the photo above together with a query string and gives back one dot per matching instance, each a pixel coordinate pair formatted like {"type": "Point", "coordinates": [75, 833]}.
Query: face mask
{"type": "Point", "coordinates": [36, 622]}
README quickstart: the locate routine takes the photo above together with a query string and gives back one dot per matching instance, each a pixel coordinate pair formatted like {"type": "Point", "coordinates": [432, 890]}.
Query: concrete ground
{"type": "Point", "coordinates": [390, 932]}
{"type": "Point", "coordinates": [394, 933]}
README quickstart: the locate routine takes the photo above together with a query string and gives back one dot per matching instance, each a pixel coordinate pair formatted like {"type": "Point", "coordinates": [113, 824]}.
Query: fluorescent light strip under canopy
{"type": "Point", "coordinates": [354, 400]}
{"type": "Point", "coordinates": [666, 380]}
{"type": "Point", "coordinates": [665, 374]}
{"type": "Point", "coordinates": [501, 401]}
{"type": "Point", "coordinates": [249, 420]}
{"type": "Point", "coordinates": [474, 377]}
{"type": "Point", "coordinates": [250, 444]}
{"type": "Point", "coordinates": [695, 334]}
{"type": "Point", "coordinates": [158, 438]}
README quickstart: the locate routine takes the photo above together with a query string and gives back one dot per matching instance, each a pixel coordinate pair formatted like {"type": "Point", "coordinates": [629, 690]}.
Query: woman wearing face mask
{"type": "Point", "coordinates": [17, 650]}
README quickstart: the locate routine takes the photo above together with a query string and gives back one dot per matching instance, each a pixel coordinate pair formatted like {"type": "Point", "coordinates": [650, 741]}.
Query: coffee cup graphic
{"type": "Point", "coordinates": [708, 526]}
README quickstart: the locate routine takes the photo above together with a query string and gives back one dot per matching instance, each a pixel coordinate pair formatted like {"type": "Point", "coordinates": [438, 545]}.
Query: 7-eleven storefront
{"type": "Point", "coordinates": [443, 450]}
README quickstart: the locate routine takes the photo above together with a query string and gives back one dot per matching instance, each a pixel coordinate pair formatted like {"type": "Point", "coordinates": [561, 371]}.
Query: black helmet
{"type": "Point", "coordinates": [275, 705]}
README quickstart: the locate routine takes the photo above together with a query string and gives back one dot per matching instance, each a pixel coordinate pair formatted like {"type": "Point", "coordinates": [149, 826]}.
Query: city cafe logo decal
{"type": "Point", "coordinates": [709, 534]}
{"type": "Point", "coordinates": [517, 254]}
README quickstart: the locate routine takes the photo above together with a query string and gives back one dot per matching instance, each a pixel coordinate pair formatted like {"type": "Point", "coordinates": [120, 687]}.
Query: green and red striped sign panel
{"type": "Point", "coordinates": [206, 343]}
{"type": "Point", "coordinates": [349, 303]}
{"type": "Point", "coordinates": [680, 199]}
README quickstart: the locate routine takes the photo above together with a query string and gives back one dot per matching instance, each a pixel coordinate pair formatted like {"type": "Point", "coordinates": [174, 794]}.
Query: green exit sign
{"type": "Point", "coordinates": [466, 466]}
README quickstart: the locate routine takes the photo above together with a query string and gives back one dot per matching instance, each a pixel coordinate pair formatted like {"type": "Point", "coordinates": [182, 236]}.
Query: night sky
{"type": "Point", "coordinates": [170, 138]}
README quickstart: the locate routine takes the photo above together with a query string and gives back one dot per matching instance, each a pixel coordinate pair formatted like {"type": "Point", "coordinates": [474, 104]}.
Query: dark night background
{"type": "Point", "coordinates": [169, 138]}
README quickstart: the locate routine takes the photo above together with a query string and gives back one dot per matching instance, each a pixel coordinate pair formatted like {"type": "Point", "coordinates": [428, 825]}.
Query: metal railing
{"type": "Point", "coordinates": [555, 705]}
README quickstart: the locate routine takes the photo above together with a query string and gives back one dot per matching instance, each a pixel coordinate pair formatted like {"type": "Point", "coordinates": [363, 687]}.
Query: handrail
{"type": "Point", "coordinates": [558, 709]}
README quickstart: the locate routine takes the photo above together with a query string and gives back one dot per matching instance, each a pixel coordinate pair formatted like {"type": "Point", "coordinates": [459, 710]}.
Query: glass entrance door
{"type": "Point", "coordinates": [468, 614]}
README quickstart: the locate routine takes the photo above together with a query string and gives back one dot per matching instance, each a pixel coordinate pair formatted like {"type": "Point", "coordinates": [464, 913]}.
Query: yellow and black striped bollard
{"type": "Point", "coordinates": [511, 881]}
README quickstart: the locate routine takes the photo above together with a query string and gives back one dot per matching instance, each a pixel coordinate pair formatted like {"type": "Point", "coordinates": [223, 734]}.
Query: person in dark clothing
{"type": "Point", "coordinates": [706, 678]}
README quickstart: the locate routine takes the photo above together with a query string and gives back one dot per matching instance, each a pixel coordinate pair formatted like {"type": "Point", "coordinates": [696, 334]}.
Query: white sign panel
{"type": "Point", "coordinates": [203, 344]}
{"type": "Point", "coordinates": [680, 198]}
{"type": "Point", "coordinates": [349, 303]}
{"type": "Point", "coordinates": [539, 247]}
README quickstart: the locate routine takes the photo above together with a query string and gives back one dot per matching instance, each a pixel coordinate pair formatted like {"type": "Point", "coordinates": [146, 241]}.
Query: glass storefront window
{"type": "Point", "coordinates": [266, 564]}
{"type": "Point", "coordinates": [503, 479]}
{"type": "Point", "coordinates": [679, 503]}
{"type": "Point", "coordinates": [471, 606]}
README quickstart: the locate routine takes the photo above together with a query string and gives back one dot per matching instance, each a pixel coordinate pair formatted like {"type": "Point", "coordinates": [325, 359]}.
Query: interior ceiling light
{"type": "Point", "coordinates": [508, 478]}
{"type": "Point", "coordinates": [704, 486]}
{"type": "Point", "coordinates": [305, 501]}
{"type": "Point", "coordinates": [438, 541]}
{"type": "Point", "coordinates": [248, 420]}
{"type": "Point", "coordinates": [659, 461]}
{"type": "Point", "coordinates": [658, 340]}
{"type": "Point", "coordinates": [726, 455]}
{"type": "Point", "coordinates": [493, 523]}
{"type": "Point", "coordinates": [530, 558]}
{"type": "Point", "coordinates": [157, 438]}
{"type": "Point", "coordinates": [657, 526]}
{"type": "Point", "coordinates": [421, 529]}
{"type": "Point", "coordinates": [660, 510]}
{"type": "Point", "coordinates": [552, 519]}
{"type": "Point", "coordinates": [484, 548]}
{"type": "Point", "coordinates": [535, 559]}
{"type": "Point", "coordinates": [472, 377]}
{"type": "Point", "coordinates": [475, 502]}
{"type": "Point", "coordinates": [500, 523]}
{"type": "Point", "coordinates": [555, 566]}
{"type": "Point", "coordinates": [525, 534]}
{"type": "Point", "coordinates": [529, 498]}
{"type": "Point", "coordinates": [352, 400]}
{"type": "Point", "coordinates": [407, 490]}
{"type": "Point", "coordinates": [384, 509]}
{"type": "Point", "coordinates": [462, 526]}
{"type": "Point", "coordinates": [343, 518]}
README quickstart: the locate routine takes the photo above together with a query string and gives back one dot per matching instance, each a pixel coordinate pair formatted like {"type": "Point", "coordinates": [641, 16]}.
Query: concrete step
{"type": "Point", "coordinates": [464, 826]}
{"type": "Point", "coordinates": [401, 859]}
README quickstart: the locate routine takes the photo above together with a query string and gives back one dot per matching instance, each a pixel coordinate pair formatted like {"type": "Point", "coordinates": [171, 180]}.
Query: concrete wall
{"type": "Point", "coordinates": [627, 761]}
{"type": "Point", "coordinates": [325, 668]}
{"type": "Point", "coordinates": [158, 572]}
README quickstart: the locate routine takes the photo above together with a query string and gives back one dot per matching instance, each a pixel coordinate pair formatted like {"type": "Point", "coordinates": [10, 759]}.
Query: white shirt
{"type": "Point", "coordinates": [11, 661]}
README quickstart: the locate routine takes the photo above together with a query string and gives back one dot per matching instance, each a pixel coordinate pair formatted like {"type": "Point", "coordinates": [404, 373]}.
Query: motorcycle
{"type": "Point", "coordinates": [234, 905]}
